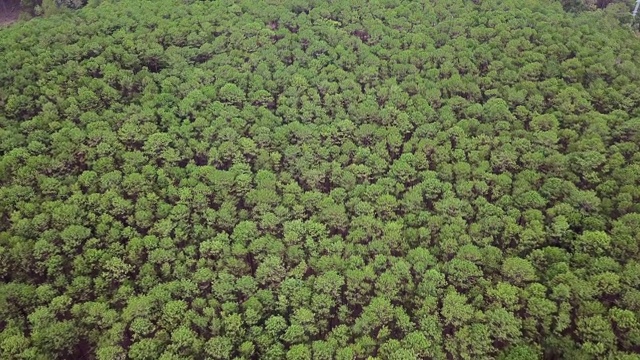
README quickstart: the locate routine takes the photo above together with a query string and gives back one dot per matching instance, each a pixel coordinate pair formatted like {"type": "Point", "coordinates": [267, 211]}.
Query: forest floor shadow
{"type": "Point", "coordinates": [9, 12]}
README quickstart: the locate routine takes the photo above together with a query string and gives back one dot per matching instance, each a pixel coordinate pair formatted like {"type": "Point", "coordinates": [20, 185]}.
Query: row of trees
{"type": "Point", "coordinates": [50, 7]}
{"type": "Point", "coordinates": [320, 180]}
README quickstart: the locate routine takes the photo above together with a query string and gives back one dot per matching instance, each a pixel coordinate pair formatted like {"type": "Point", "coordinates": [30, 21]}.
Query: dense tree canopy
{"type": "Point", "coordinates": [307, 179]}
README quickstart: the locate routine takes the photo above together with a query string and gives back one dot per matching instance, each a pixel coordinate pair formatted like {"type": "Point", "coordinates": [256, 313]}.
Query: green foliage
{"type": "Point", "coordinates": [319, 180]}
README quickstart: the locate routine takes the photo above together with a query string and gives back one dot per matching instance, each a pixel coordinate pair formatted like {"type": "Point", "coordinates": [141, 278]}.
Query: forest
{"type": "Point", "coordinates": [312, 179]}
{"type": "Point", "coordinates": [31, 8]}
